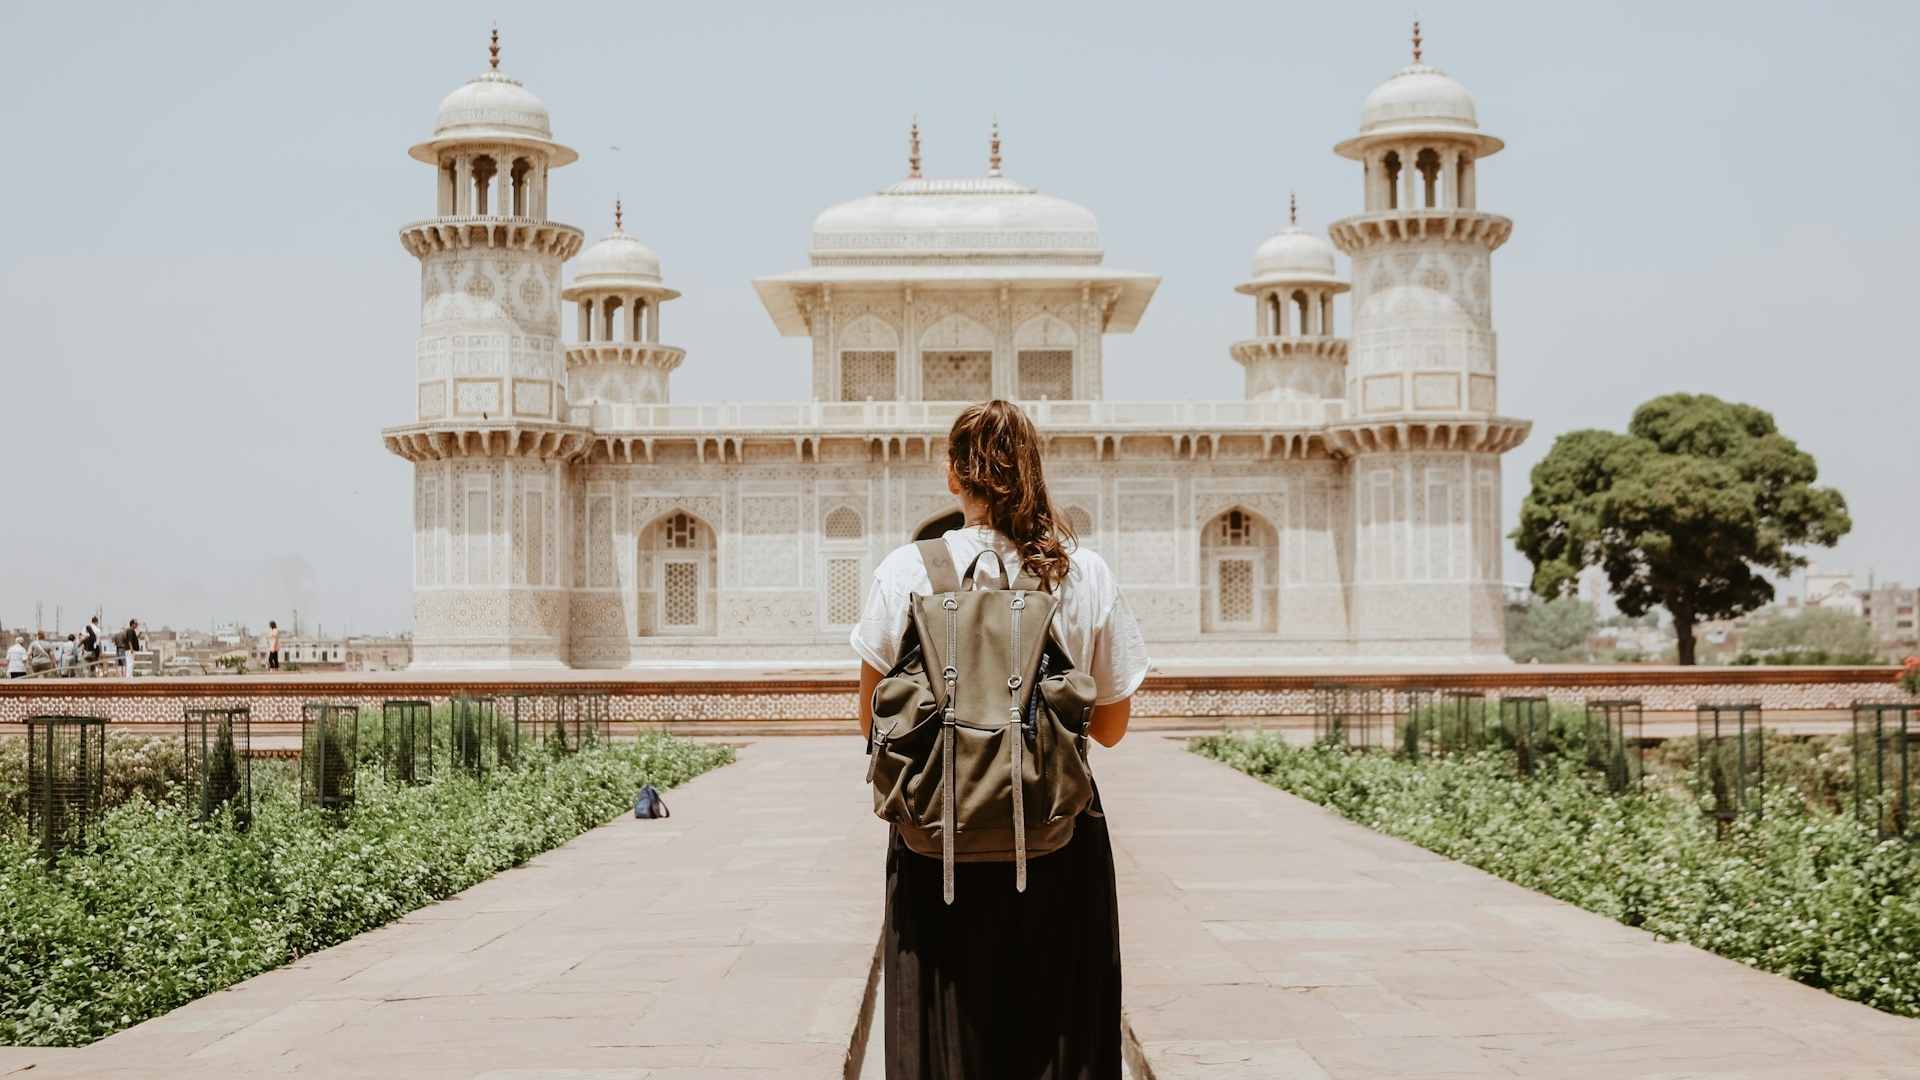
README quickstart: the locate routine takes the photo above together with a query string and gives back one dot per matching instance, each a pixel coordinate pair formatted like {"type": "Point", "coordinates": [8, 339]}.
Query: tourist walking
{"type": "Point", "coordinates": [40, 654]}
{"type": "Point", "coordinates": [273, 645]}
{"type": "Point", "coordinates": [1007, 970]}
{"type": "Point", "coordinates": [92, 641]}
{"type": "Point", "coordinates": [127, 641]}
{"type": "Point", "coordinates": [17, 659]}
{"type": "Point", "coordinates": [69, 657]}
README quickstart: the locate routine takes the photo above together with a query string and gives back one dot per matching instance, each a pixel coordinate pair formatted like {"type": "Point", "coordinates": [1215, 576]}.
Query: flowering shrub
{"type": "Point", "coordinates": [1910, 675]}
{"type": "Point", "coordinates": [1799, 892]}
{"type": "Point", "coordinates": [161, 912]}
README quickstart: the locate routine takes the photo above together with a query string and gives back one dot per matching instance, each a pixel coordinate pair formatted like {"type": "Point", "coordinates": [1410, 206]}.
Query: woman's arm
{"type": "Point", "coordinates": [863, 708]}
{"type": "Point", "coordinates": [1109, 723]}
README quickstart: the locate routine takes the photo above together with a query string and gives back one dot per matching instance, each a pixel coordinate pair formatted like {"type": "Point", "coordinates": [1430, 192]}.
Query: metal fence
{"type": "Point", "coordinates": [219, 762]}
{"type": "Point", "coordinates": [66, 774]}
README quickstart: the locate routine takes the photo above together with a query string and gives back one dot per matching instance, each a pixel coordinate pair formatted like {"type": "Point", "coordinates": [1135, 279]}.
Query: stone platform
{"type": "Point", "coordinates": [1263, 936]}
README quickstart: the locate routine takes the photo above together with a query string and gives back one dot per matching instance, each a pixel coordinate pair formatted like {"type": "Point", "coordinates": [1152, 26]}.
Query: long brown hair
{"type": "Point", "coordinates": [995, 454]}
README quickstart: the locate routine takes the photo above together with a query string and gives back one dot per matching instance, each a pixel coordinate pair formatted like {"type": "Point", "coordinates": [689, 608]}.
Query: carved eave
{"type": "Point", "coordinates": [1290, 348]}
{"type": "Point", "coordinates": [1356, 234]}
{"type": "Point", "coordinates": [1479, 435]}
{"type": "Point", "coordinates": [423, 238]}
{"type": "Point", "coordinates": [813, 447]}
{"type": "Point", "coordinates": [632, 354]}
{"type": "Point", "coordinates": [441, 442]}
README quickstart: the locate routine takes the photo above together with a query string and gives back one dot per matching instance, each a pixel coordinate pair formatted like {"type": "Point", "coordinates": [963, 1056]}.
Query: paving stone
{"type": "Point", "coordinates": [1417, 966]}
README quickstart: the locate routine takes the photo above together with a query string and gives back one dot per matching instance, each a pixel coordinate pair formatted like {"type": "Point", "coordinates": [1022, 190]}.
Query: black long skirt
{"type": "Point", "coordinates": [1004, 985]}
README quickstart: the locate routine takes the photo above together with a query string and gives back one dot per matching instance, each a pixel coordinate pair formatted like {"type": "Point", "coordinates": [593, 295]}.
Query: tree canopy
{"type": "Point", "coordinates": [1688, 510]}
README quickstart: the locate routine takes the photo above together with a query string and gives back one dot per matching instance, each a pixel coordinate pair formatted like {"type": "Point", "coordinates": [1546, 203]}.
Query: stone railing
{"type": "Point", "coordinates": [637, 698]}
{"type": "Point", "coordinates": [939, 415]}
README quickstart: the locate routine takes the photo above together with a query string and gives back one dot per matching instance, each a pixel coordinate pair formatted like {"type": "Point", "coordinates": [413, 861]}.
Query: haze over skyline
{"type": "Point", "coordinates": [211, 317]}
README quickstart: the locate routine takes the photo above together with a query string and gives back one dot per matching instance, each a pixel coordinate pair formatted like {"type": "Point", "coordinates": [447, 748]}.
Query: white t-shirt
{"type": "Point", "coordinates": [16, 659]}
{"type": "Point", "coordinates": [1093, 622]}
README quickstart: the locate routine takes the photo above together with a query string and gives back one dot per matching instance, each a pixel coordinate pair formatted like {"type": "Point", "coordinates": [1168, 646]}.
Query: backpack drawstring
{"type": "Point", "coordinates": [1017, 735]}
{"type": "Point", "coordinates": [947, 720]}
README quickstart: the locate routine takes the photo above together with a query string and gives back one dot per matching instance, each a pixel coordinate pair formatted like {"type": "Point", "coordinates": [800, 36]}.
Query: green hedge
{"type": "Point", "coordinates": [161, 912]}
{"type": "Point", "coordinates": [1801, 892]}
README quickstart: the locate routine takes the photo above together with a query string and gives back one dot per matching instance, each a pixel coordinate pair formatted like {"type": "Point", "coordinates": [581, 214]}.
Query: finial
{"type": "Point", "coordinates": [913, 155]}
{"type": "Point", "coordinates": [1293, 209]}
{"type": "Point", "coordinates": [616, 213]}
{"type": "Point", "coordinates": [1416, 39]}
{"type": "Point", "coordinates": [493, 49]}
{"type": "Point", "coordinates": [993, 158]}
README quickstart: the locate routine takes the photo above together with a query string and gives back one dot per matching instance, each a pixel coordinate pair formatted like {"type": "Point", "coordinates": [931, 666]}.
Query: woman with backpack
{"type": "Point", "coordinates": [1001, 944]}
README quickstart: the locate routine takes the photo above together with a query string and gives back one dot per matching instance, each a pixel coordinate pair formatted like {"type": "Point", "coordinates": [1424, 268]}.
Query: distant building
{"type": "Point", "coordinates": [1833, 589]}
{"type": "Point", "coordinates": [1890, 609]}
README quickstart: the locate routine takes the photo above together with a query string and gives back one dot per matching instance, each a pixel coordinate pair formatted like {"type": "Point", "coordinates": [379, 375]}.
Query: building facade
{"type": "Point", "coordinates": [569, 513]}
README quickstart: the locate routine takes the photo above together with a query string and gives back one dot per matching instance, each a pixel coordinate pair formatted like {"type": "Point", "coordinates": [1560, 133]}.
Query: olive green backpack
{"type": "Point", "coordinates": [979, 740]}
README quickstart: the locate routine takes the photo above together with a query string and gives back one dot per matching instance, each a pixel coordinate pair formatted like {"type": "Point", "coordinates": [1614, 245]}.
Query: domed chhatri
{"type": "Point", "coordinates": [1292, 255]}
{"type": "Point", "coordinates": [618, 361]}
{"type": "Point", "coordinates": [617, 259]}
{"type": "Point", "coordinates": [1418, 100]}
{"type": "Point", "coordinates": [493, 108]}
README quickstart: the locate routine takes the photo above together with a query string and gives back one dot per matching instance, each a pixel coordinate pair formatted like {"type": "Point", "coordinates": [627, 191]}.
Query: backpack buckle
{"type": "Point", "coordinates": [950, 603]}
{"type": "Point", "coordinates": [1019, 600]}
{"type": "Point", "coordinates": [1013, 682]}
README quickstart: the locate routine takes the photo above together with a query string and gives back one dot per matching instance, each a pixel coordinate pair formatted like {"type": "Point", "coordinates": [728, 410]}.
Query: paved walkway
{"type": "Point", "coordinates": [1264, 938]}
{"type": "Point", "coordinates": [734, 940]}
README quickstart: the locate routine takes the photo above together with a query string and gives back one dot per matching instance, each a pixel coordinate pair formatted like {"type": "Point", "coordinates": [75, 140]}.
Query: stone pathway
{"type": "Point", "coordinates": [1264, 937]}
{"type": "Point", "coordinates": [1267, 937]}
{"type": "Point", "coordinates": [735, 939]}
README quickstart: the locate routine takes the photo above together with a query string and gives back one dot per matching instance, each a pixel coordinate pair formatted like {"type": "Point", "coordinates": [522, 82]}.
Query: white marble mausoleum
{"type": "Point", "coordinates": [568, 512]}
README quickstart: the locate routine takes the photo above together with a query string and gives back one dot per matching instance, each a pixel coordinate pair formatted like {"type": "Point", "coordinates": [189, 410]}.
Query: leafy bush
{"type": "Point", "coordinates": [137, 767]}
{"type": "Point", "coordinates": [1799, 892]}
{"type": "Point", "coordinates": [160, 912]}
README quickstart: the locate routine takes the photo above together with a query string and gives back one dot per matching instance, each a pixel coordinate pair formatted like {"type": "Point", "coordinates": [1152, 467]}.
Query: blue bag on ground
{"type": "Point", "coordinates": [649, 804]}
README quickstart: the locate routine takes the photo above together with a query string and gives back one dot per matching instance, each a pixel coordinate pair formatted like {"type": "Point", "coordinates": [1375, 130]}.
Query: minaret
{"type": "Point", "coordinates": [1422, 431]}
{"type": "Point", "coordinates": [618, 360]}
{"type": "Point", "coordinates": [491, 436]}
{"type": "Point", "coordinates": [1294, 354]}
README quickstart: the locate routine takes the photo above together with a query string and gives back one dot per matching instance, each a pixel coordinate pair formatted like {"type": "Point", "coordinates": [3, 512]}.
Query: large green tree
{"type": "Point", "coordinates": [1688, 510]}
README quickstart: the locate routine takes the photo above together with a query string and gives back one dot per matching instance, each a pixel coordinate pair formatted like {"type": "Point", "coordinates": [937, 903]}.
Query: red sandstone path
{"type": "Point", "coordinates": [1265, 938]}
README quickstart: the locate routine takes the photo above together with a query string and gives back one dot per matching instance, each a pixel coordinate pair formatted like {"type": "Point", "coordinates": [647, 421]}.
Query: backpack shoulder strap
{"type": "Point", "coordinates": [939, 560]}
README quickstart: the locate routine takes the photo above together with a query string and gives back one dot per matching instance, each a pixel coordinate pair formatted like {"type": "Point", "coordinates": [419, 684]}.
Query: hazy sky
{"type": "Point", "coordinates": [209, 318]}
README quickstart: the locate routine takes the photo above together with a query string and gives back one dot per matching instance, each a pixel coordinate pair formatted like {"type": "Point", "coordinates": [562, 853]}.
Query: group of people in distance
{"type": "Point", "coordinates": [90, 652]}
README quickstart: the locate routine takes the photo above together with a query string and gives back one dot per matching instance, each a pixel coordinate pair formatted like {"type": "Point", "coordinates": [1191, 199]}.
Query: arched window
{"type": "Point", "coordinates": [1240, 553]}
{"type": "Point", "coordinates": [484, 170]}
{"type": "Point", "coordinates": [611, 325]}
{"type": "Point", "coordinates": [1302, 306]}
{"type": "Point", "coordinates": [843, 523]}
{"type": "Point", "coordinates": [1429, 165]}
{"type": "Point", "coordinates": [676, 576]}
{"type": "Point", "coordinates": [1082, 523]}
{"type": "Point", "coordinates": [843, 566]}
{"type": "Point", "coordinates": [1277, 315]}
{"type": "Point", "coordinates": [520, 205]}
{"type": "Point", "coordinates": [1392, 166]}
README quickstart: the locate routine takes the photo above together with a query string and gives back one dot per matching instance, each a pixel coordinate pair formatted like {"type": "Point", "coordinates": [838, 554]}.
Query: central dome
{"type": "Point", "coordinates": [920, 220]}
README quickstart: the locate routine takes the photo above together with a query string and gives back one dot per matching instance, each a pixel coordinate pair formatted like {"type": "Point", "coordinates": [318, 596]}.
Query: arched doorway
{"type": "Point", "coordinates": [940, 526]}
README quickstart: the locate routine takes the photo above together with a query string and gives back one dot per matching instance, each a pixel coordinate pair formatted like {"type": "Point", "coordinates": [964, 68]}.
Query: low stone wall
{"type": "Point", "coordinates": [777, 697]}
